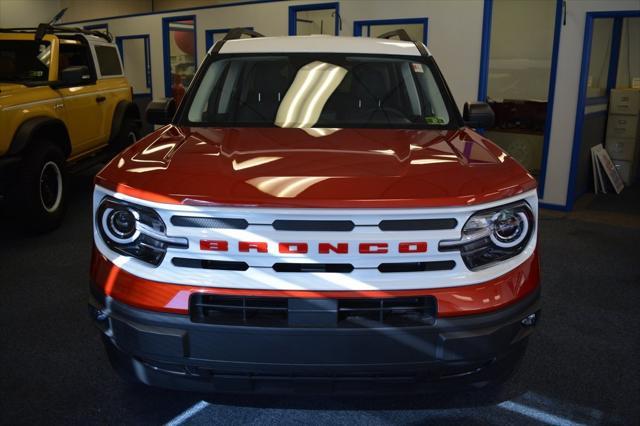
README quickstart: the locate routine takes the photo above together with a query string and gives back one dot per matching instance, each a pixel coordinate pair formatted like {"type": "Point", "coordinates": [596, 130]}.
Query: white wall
{"type": "Point", "coordinates": [27, 13]}
{"type": "Point", "coordinates": [91, 9]}
{"type": "Point", "coordinates": [454, 34]}
{"type": "Point", "coordinates": [566, 94]}
{"type": "Point", "coordinates": [455, 47]}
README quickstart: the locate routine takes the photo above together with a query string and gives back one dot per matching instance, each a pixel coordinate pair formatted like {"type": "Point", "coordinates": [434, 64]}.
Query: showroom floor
{"type": "Point", "coordinates": [581, 366]}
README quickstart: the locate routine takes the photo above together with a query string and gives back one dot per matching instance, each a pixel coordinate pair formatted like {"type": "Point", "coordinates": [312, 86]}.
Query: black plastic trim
{"type": "Point", "coordinates": [313, 225]}
{"type": "Point", "coordinates": [417, 224]}
{"type": "Point", "coordinates": [443, 265]}
{"type": "Point", "coordinates": [209, 222]}
{"type": "Point", "coordinates": [170, 350]}
{"type": "Point", "coordinates": [314, 267]}
{"type": "Point", "coordinates": [221, 265]}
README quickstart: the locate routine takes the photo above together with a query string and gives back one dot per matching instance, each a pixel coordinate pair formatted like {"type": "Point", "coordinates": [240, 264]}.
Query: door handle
{"type": "Point", "coordinates": [100, 99]}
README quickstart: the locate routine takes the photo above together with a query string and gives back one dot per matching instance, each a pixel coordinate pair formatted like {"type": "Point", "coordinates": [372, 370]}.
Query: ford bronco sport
{"type": "Point", "coordinates": [63, 97]}
{"type": "Point", "coordinates": [315, 213]}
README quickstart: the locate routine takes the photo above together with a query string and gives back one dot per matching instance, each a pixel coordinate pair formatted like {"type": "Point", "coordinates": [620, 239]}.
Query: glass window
{"type": "Point", "coordinates": [108, 60]}
{"type": "Point", "coordinates": [518, 79]}
{"type": "Point", "coordinates": [316, 22]}
{"type": "Point", "coordinates": [182, 56]}
{"type": "Point", "coordinates": [326, 90]}
{"type": "Point", "coordinates": [24, 61]}
{"type": "Point", "coordinates": [74, 54]}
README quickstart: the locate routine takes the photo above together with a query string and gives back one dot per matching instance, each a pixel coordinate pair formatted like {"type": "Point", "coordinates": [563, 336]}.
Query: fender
{"type": "Point", "coordinates": [123, 109]}
{"type": "Point", "coordinates": [31, 128]}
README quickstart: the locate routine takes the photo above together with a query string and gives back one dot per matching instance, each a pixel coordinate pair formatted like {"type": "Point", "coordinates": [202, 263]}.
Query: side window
{"type": "Point", "coordinates": [108, 60]}
{"type": "Point", "coordinates": [75, 55]}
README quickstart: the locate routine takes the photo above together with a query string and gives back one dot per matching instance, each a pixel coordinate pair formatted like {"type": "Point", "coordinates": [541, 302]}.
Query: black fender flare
{"type": "Point", "coordinates": [36, 126]}
{"type": "Point", "coordinates": [124, 109]}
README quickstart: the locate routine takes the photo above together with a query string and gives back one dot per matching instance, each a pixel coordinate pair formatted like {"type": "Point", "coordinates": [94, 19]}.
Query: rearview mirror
{"type": "Point", "coordinates": [161, 111]}
{"type": "Point", "coordinates": [478, 115]}
{"type": "Point", "coordinates": [74, 76]}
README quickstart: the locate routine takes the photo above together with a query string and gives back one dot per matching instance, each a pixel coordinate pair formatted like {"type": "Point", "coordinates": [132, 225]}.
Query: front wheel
{"type": "Point", "coordinates": [128, 135]}
{"type": "Point", "coordinates": [40, 189]}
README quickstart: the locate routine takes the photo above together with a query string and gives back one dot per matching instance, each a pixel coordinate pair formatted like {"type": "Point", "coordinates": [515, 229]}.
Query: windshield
{"type": "Point", "coordinates": [319, 90]}
{"type": "Point", "coordinates": [24, 61]}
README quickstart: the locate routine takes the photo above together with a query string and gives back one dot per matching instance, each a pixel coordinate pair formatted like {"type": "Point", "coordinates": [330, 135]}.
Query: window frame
{"type": "Point", "coordinates": [92, 60]}
{"type": "Point", "coordinates": [293, 13]}
{"type": "Point", "coordinates": [166, 54]}
{"type": "Point", "coordinates": [97, 62]}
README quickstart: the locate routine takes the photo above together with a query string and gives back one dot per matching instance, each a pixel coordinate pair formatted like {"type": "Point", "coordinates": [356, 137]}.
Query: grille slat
{"type": "Point", "coordinates": [312, 313]}
{"type": "Point", "coordinates": [313, 267]}
{"type": "Point", "coordinates": [313, 225]}
{"type": "Point", "coordinates": [441, 265]}
{"type": "Point", "coordinates": [209, 222]}
{"type": "Point", "coordinates": [221, 265]}
{"type": "Point", "coordinates": [417, 224]}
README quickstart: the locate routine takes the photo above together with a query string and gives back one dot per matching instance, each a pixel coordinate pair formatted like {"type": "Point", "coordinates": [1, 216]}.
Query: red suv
{"type": "Point", "coordinates": [315, 213]}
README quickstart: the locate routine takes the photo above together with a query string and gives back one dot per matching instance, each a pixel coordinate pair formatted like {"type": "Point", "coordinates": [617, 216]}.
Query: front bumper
{"type": "Point", "coordinates": [169, 350]}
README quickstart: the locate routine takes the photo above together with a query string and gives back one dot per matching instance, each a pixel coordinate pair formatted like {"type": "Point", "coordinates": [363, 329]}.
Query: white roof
{"type": "Point", "coordinates": [320, 43]}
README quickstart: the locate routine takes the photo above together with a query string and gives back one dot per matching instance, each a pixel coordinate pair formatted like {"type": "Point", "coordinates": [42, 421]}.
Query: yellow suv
{"type": "Point", "coordinates": [63, 98]}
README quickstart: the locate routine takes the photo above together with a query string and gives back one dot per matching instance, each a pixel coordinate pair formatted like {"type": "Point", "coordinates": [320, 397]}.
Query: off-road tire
{"type": "Point", "coordinates": [40, 192]}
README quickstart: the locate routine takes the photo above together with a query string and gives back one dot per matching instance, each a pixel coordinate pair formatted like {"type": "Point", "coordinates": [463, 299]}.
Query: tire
{"type": "Point", "coordinates": [40, 193]}
{"type": "Point", "coordinates": [128, 135]}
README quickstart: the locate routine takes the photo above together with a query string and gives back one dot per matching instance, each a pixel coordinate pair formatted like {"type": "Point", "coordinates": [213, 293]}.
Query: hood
{"type": "Point", "coordinates": [316, 168]}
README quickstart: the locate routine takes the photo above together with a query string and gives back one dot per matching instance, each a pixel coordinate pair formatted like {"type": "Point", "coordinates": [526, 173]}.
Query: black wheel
{"type": "Point", "coordinates": [40, 188]}
{"type": "Point", "coordinates": [128, 135]}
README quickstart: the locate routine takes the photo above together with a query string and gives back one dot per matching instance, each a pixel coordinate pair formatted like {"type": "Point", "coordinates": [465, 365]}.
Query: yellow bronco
{"type": "Point", "coordinates": [63, 98]}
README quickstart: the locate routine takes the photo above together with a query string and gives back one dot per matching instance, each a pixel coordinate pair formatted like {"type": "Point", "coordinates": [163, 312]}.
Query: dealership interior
{"type": "Point", "coordinates": [561, 82]}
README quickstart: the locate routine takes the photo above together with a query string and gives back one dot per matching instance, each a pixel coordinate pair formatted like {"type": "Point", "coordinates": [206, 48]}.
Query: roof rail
{"type": "Point", "coordinates": [400, 33]}
{"type": "Point", "coordinates": [44, 29]}
{"type": "Point", "coordinates": [236, 33]}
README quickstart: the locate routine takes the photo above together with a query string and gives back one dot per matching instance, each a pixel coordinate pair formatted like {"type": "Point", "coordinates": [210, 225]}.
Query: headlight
{"type": "Point", "coordinates": [493, 235]}
{"type": "Point", "coordinates": [135, 231]}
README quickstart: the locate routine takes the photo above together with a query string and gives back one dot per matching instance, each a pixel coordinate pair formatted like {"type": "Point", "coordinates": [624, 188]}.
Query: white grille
{"type": "Point", "coordinates": [364, 276]}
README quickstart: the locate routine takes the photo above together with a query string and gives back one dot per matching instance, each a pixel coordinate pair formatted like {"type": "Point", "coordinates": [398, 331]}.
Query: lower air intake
{"type": "Point", "coordinates": [312, 313]}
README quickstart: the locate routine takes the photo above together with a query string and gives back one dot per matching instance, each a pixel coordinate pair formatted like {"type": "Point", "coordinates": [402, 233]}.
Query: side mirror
{"type": "Point", "coordinates": [161, 111]}
{"type": "Point", "coordinates": [73, 76]}
{"type": "Point", "coordinates": [478, 115]}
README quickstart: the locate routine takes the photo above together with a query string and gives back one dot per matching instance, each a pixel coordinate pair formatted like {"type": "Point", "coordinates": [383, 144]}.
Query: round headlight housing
{"type": "Point", "coordinates": [120, 224]}
{"type": "Point", "coordinates": [135, 231]}
{"type": "Point", "coordinates": [494, 235]}
{"type": "Point", "coordinates": [509, 228]}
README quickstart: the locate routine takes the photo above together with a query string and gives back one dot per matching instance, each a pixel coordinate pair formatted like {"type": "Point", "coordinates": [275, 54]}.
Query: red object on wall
{"type": "Point", "coordinates": [185, 41]}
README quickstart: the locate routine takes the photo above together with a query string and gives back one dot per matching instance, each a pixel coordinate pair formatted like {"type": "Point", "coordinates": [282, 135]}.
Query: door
{"type": "Point", "coordinates": [83, 105]}
{"type": "Point", "coordinates": [610, 60]}
{"type": "Point", "coordinates": [179, 33]}
{"type": "Point", "coordinates": [136, 58]}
